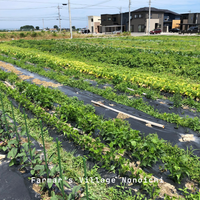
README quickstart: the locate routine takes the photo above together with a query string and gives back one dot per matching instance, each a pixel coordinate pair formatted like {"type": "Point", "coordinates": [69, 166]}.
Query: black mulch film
{"type": "Point", "coordinates": [170, 133]}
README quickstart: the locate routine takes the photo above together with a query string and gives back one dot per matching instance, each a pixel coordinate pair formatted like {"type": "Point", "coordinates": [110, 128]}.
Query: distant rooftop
{"type": "Point", "coordinates": [190, 13]}
{"type": "Point", "coordinates": [146, 9]}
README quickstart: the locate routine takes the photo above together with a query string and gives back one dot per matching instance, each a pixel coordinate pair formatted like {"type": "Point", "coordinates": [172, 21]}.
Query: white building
{"type": "Point", "coordinates": [94, 24]}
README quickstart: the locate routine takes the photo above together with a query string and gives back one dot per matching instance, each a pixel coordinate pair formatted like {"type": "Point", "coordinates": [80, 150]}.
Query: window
{"type": "Point", "coordinates": [148, 16]}
{"type": "Point", "coordinates": [159, 26]}
{"type": "Point", "coordinates": [91, 19]}
{"type": "Point", "coordinates": [185, 16]}
{"type": "Point", "coordinates": [135, 16]}
{"type": "Point", "coordinates": [166, 18]}
{"type": "Point", "coordinates": [140, 16]}
{"type": "Point", "coordinates": [114, 19]}
{"type": "Point", "coordinates": [103, 20]}
{"type": "Point", "coordinates": [141, 28]}
{"type": "Point", "coordinates": [109, 18]}
{"type": "Point", "coordinates": [132, 28]}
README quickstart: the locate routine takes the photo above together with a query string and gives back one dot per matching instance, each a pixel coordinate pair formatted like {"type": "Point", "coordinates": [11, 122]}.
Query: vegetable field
{"type": "Point", "coordinates": [103, 118]}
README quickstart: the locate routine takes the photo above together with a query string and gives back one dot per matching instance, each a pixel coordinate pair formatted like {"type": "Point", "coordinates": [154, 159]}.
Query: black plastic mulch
{"type": "Point", "coordinates": [170, 133]}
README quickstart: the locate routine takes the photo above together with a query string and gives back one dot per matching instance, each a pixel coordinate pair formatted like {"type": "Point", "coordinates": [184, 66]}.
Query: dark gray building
{"type": "Point", "coordinates": [111, 23]}
{"type": "Point", "coordinates": [189, 19]}
{"type": "Point", "coordinates": [160, 18]}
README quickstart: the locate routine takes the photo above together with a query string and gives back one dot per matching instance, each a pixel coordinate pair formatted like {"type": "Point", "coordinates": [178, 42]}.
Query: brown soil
{"type": "Point", "coordinates": [187, 138]}
{"type": "Point", "coordinates": [10, 68]}
{"type": "Point", "coordinates": [24, 77]}
{"type": "Point", "coordinates": [45, 84]}
{"type": "Point", "coordinates": [122, 116]}
{"type": "Point", "coordinates": [185, 107]}
{"type": "Point", "coordinates": [162, 102]}
{"type": "Point", "coordinates": [166, 188]}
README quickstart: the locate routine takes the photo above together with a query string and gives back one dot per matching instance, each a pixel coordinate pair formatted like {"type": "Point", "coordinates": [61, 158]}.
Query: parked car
{"type": "Point", "coordinates": [85, 31]}
{"type": "Point", "coordinates": [174, 30]}
{"type": "Point", "coordinates": [117, 32]}
{"type": "Point", "coordinates": [192, 29]}
{"type": "Point", "coordinates": [155, 31]}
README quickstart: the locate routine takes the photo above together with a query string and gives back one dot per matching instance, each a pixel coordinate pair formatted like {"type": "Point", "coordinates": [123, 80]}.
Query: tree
{"type": "Point", "coordinates": [73, 27]}
{"type": "Point", "coordinates": [37, 27]}
{"type": "Point", "coordinates": [56, 27]}
{"type": "Point", "coordinates": [27, 28]}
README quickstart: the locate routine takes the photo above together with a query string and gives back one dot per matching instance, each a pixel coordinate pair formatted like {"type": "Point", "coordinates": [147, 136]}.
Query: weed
{"type": "Point", "coordinates": [22, 35]}
{"type": "Point", "coordinates": [177, 99]}
{"type": "Point", "coordinates": [34, 34]}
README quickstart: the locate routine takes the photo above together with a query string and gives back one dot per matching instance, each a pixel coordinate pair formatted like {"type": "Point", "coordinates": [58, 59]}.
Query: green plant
{"type": "Point", "coordinates": [189, 196]}
{"type": "Point", "coordinates": [177, 99]}
{"type": "Point", "coordinates": [22, 35]}
{"type": "Point", "coordinates": [54, 34]}
{"type": "Point", "coordinates": [34, 34]}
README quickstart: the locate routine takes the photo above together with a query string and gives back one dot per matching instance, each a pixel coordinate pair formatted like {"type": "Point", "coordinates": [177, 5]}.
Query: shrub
{"type": "Point", "coordinates": [54, 34]}
{"type": "Point", "coordinates": [34, 34]}
{"type": "Point", "coordinates": [126, 33]}
{"type": "Point", "coordinates": [3, 35]}
{"type": "Point", "coordinates": [22, 35]}
{"type": "Point", "coordinates": [177, 99]}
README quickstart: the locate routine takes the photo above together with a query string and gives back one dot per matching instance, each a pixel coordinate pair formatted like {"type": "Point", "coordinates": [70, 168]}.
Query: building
{"type": "Point", "coordinates": [112, 23]}
{"type": "Point", "coordinates": [94, 24]}
{"type": "Point", "coordinates": [189, 19]}
{"type": "Point", "coordinates": [160, 18]}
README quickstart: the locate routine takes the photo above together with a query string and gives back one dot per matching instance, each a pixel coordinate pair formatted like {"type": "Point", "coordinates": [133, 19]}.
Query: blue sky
{"type": "Point", "coordinates": [16, 13]}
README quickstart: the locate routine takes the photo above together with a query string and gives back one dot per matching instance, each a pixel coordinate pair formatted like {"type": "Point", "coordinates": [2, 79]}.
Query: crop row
{"type": "Point", "coordinates": [143, 79]}
{"type": "Point", "coordinates": [111, 159]}
{"type": "Point", "coordinates": [116, 133]}
{"type": "Point", "coordinates": [22, 154]}
{"type": "Point", "coordinates": [186, 45]}
{"type": "Point", "coordinates": [176, 64]}
{"type": "Point", "coordinates": [108, 93]}
{"type": "Point", "coordinates": [72, 166]}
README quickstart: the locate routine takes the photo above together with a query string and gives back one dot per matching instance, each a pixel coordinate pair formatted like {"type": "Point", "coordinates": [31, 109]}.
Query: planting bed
{"type": "Point", "coordinates": [132, 123]}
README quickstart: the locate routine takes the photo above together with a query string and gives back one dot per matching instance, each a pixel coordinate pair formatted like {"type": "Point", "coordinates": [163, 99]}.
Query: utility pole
{"type": "Point", "coordinates": [196, 18]}
{"type": "Point", "coordinates": [149, 16]}
{"type": "Point", "coordinates": [121, 17]}
{"type": "Point", "coordinates": [43, 23]}
{"type": "Point", "coordinates": [129, 25]}
{"type": "Point", "coordinates": [59, 17]}
{"type": "Point", "coordinates": [70, 20]}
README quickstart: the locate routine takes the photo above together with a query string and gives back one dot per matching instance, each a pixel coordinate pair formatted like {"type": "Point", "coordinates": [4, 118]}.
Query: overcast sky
{"type": "Point", "coordinates": [16, 13]}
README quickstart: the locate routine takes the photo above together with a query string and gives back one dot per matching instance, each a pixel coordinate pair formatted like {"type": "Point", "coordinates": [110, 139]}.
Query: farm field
{"type": "Point", "coordinates": [129, 105]}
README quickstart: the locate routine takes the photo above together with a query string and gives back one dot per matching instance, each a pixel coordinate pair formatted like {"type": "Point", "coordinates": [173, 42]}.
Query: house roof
{"type": "Point", "coordinates": [189, 13]}
{"type": "Point", "coordinates": [146, 9]}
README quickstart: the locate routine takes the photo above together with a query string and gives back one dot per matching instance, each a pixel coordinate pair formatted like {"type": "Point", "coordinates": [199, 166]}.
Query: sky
{"type": "Point", "coordinates": [17, 13]}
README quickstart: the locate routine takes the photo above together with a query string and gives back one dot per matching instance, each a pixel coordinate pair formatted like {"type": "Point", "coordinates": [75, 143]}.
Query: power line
{"type": "Point", "coordinates": [97, 4]}
{"type": "Point", "coordinates": [80, 19]}
{"type": "Point", "coordinates": [31, 1]}
{"type": "Point", "coordinates": [27, 8]}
